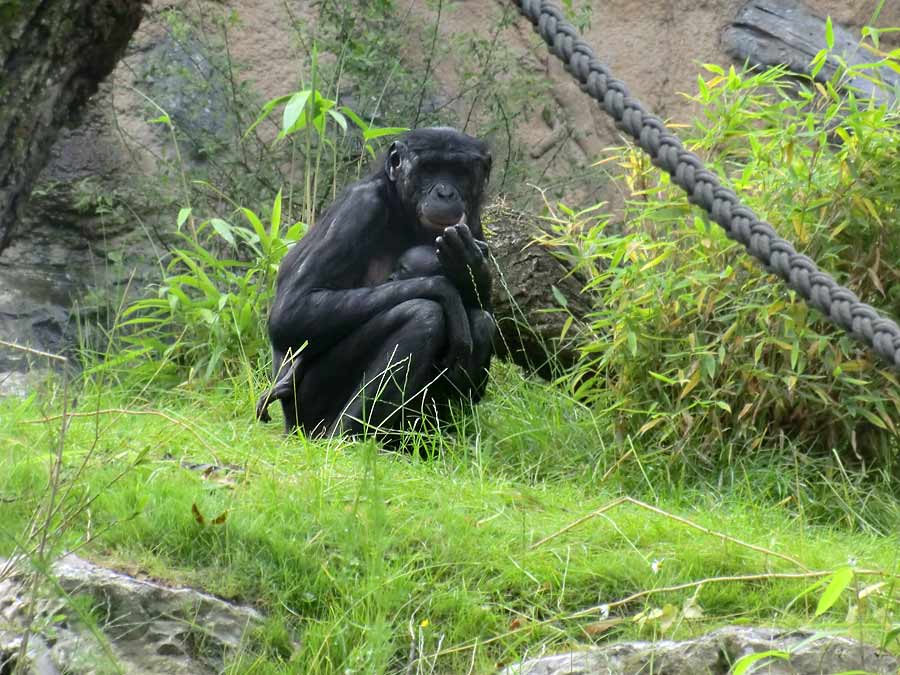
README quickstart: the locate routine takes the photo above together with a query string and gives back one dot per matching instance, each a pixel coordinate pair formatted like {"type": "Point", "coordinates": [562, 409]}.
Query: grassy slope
{"type": "Point", "coordinates": [355, 553]}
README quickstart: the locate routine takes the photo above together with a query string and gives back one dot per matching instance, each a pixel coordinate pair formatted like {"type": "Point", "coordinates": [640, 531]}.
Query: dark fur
{"type": "Point", "coordinates": [385, 276]}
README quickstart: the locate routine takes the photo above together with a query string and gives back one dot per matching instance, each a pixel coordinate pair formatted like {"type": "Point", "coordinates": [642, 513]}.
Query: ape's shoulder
{"type": "Point", "coordinates": [357, 216]}
{"type": "Point", "coordinates": [367, 193]}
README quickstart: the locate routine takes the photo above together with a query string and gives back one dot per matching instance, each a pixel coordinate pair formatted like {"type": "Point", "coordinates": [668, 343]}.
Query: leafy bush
{"type": "Point", "coordinates": [206, 314]}
{"type": "Point", "coordinates": [209, 311]}
{"type": "Point", "coordinates": [691, 344]}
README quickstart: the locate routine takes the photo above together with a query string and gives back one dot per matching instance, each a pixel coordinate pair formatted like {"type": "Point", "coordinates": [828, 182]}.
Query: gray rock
{"type": "Point", "coordinates": [148, 628]}
{"type": "Point", "coordinates": [180, 77]}
{"type": "Point", "coordinates": [714, 654]}
{"type": "Point", "coordinates": [93, 227]}
{"type": "Point", "coordinates": [61, 250]}
{"type": "Point", "coordinates": [785, 32]}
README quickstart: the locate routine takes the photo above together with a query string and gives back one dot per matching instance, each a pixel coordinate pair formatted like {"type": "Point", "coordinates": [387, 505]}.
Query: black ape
{"type": "Point", "coordinates": [419, 261]}
{"type": "Point", "coordinates": [390, 293]}
{"type": "Point", "coordinates": [424, 261]}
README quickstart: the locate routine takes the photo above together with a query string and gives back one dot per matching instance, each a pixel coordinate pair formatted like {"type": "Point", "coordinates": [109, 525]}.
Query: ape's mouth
{"type": "Point", "coordinates": [438, 226]}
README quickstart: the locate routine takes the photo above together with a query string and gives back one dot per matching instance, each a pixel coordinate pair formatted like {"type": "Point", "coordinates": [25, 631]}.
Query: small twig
{"type": "Point", "coordinates": [124, 411]}
{"type": "Point", "coordinates": [69, 518]}
{"type": "Point", "coordinates": [36, 352]}
{"type": "Point", "coordinates": [509, 143]}
{"type": "Point", "coordinates": [437, 23]}
{"type": "Point", "coordinates": [412, 657]}
{"type": "Point", "coordinates": [44, 532]}
{"type": "Point", "coordinates": [485, 67]}
{"type": "Point", "coordinates": [684, 521]}
{"type": "Point", "coordinates": [611, 470]}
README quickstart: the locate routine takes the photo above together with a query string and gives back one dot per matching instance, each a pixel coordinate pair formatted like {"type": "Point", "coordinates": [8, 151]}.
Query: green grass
{"type": "Point", "coordinates": [354, 553]}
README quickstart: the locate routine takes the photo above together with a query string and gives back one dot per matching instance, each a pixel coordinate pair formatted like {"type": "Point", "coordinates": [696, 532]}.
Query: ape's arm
{"type": "Point", "coordinates": [319, 298]}
{"type": "Point", "coordinates": [324, 316]}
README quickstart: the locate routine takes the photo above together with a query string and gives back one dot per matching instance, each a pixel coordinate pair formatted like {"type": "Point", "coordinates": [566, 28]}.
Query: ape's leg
{"type": "Point", "coordinates": [484, 332]}
{"type": "Point", "coordinates": [469, 383]}
{"type": "Point", "coordinates": [373, 377]}
{"type": "Point", "coordinates": [287, 375]}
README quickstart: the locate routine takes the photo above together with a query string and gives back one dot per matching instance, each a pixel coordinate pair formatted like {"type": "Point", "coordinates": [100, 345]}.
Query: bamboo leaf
{"type": "Point", "coordinates": [838, 584]}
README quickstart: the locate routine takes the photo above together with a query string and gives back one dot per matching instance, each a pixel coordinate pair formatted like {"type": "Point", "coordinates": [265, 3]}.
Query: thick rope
{"type": "Point", "coordinates": [777, 255]}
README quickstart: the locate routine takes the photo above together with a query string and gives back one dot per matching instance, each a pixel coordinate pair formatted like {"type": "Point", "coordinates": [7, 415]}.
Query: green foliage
{"type": "Point", "coordinates": [500, 545]}
{"type": "Point", "coordinates": [691, 345]}
{"type": "Point", "coordinates": [839, 583]}
{"type": "Point", "coordinates": [208, 312]}
{"type": "Point", "coordinates": [392, 80]}
{"type": "Point", "coordinates": [308, 107]}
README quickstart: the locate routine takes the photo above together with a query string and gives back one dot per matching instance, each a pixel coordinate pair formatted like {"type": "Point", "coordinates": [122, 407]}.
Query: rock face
{"type": "Point", "coordinates": [53, 56]}
{"type": "Point", "coordinates": [714, 654]}
{"type": "Point", "coordinates": [149, 629]}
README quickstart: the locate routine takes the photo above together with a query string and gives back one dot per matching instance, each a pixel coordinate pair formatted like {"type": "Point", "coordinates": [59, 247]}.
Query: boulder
{"type": "Point", "coordinates": [147, 628]}
{"type": "Point", "coordinates": [804, 653]}
{"type": "Point", "coordinates": [786, 32]}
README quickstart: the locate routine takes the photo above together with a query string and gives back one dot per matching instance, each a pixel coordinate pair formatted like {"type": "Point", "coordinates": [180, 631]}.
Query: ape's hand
{"type": "Point", "coordinates": [464, 261]}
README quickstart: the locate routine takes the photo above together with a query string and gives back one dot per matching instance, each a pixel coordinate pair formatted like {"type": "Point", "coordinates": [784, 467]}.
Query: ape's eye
{"type": "Point", "coordinates": [395, 159]}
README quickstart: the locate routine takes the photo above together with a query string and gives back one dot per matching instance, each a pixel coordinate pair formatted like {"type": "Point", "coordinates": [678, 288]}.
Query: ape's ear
{"type": "Point", "coordinates": [393, 161]}
{"type": "Point", "coordinates": [488, 162]}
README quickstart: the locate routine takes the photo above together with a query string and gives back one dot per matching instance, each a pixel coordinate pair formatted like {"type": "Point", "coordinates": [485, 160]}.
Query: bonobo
{"type": "Point", "coordinates": [418, 261]}
{"type": "Point", "coordinates": [424, 261]}
{"type": "Point", "coordinates": [388, 295]}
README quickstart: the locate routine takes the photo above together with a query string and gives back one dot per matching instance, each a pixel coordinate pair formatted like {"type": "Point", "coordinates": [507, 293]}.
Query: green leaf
{"type": "Point", "coordinates": [356, 119]}
{"type": "Point", "coordinates": [632, 343]}
{"type": "Point", "coordinates": [257, 226]}
{"type": "Point", "coordinates": [818, 62]}
{"type": "Point", "coordinates": [208, 316]}
{"type": "Point", "coordinates": [276, 216]}
{"type": "Point", "coordinates": [560, 298]}
{"type": "Point", "coordinates": [183, 215]}
{"type": "Point", "coordinates": [295, 231]}
{"type": "Point", "coordinates": [829, 33]}
{"type": "Point", "coordinates": [223, 229]}
{"type": "Point", "coordinates": [340, 119]}
{"type": "Point", "coordinates": [291, 120]}
{"type": "Point", "coordinates": [661, 377]}
{"type": "Point", "coordinates": [701, 85]}
{"type": "Point", "coordinates": [742, 665]}
{"type": "Point", "coordinates": [244, 317]}
{"type": "Point", "coordinates": [566, 326]}
{"type": "Point", "coordinates": [838, 584]}
{"type": "Point", "coordinates": [200, 278]}
{"type": "Point", "coordinates": [869, 415]}
{"type": "Point", "coordinates": [377, 132]}
{"type": "Point", "coordinates": [713, 68]}
{"type": "Point", "coordinates": [266, 111]}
